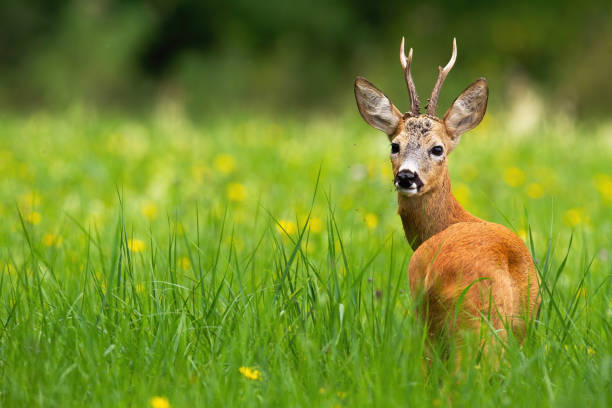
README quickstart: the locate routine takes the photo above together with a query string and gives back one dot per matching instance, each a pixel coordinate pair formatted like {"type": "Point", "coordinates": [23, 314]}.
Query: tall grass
{"type": "Point", "coordinates": [165, 257]}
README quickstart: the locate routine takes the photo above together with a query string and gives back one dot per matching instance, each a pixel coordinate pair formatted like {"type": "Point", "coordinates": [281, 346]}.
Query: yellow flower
{"type": "Point", "coordinates": [250, 373]}
{"type": "Point", "coordinates": [534, 190]}
{"type": "Point", "coordinates": [30, 200]}
{"type": "Point", "coordinates": [371, 221]}
{"type": "Point", "coordinates": [315, 225]}
{"type": "Point", "coordinates": [322, 390]}
{"type": "Point", "coordinates": [341, 394]}
{"type": "Point", "coordinates": [462, 193]}
{"type": "Point", "coordinates": [149, 210]}
{"type": "Point", "coordinates": [136, 245]}
{"type": "Point", "coordinates": [603, 182]}
{"type": "Point", "coordinates": [183, 262]}
{"type": "Point", "coordinates": [51, 240]}
{"type": "Point", "coordinates": [225, 163]}
{"type": "Point", "coordinates": [236, 192]}
{"type": "Point", "coordinates": [514, 176]}
{"type": "Point", "coordinates": [285, 226]}
{"type": "Point", "coordinates": [590, 351]}
{"type": "Point", "coordinates": [160, 402]}
{"type": "Point", "coordinates": [573, 217]}
{"type": "Point", "coordinates": [34, 218]}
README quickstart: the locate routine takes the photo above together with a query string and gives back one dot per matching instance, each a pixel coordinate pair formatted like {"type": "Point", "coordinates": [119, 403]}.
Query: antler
{"type": "Point", "coordinates": [414, 98]}
{"type": "Point", "coordinates": [433, 101]}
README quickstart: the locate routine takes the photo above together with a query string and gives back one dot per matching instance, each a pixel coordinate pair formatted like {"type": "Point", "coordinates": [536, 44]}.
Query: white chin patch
{"type": "Point", "coordinates": [413, 190]}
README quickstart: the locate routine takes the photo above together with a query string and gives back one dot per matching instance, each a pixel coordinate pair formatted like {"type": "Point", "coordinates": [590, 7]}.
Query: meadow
{"type": "Point", "coordinates": [257, 261]}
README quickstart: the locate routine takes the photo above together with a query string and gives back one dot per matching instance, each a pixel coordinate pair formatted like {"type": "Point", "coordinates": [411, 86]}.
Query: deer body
{"type": "Point", "coordinates": [464, 268]}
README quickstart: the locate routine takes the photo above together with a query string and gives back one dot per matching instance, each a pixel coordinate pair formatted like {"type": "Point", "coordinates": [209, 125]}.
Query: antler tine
{"type": "Point", "coordinates": [414, 98]}
{"type": "Point", "coordinates": [443, 72]}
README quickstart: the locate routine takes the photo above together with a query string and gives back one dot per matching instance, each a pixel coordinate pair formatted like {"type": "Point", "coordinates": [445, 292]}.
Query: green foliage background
{"type": "Point", "coordinates": [275, 55]}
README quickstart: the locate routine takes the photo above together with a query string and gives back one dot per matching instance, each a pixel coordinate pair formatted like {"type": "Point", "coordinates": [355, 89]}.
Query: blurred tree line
{"type": "Point", "coordinates": [217, 56]}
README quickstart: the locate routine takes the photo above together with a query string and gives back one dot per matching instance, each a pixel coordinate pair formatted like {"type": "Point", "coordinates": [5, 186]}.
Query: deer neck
{"type": "Point", "coordinates": [425, 215]}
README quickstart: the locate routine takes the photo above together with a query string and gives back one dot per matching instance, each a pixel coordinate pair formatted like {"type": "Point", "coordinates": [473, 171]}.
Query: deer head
{"type": "Point", "coordinates": [420, 143]}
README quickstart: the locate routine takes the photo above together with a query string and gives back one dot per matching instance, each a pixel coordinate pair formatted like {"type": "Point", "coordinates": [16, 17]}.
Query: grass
{"type": "Point", "coordinates": [261, 262]}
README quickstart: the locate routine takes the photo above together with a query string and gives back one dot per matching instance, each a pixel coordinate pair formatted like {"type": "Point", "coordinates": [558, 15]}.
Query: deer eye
{"type": "Point", "coordinates": [395, 147]}
{"type": "Point", "coordinates": [437, 150]}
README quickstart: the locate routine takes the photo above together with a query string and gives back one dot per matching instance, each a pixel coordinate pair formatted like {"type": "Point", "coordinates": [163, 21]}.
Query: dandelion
{"type": "Point", "coordinates": [34, 218]}
{"type": "Point", "coordinates": [225, 163]}
{"type": "Point", "coordinates": [236, 192]}
{"type": "Point", "coordinates": [285, 226]}
{"type": "Point", "coordinates": [250, 373]}
{"type": "Point", "coordinates": [31, 199]}
{"type": "Point", "coordinates": [603, 182]}
{"type": "Point", "coordinates": [49, 240]}
{"type": "Point", "coordinates": [573, 217]}
{"type": "Point", "coordinates": [514, 176]}
{"type": "Point", "coordinates": [159, 402]}
{"type": "Point", "coordinates": [315, 225]}
{"type": "Point", "coordinates": [534, 190]}
{"type": "Point", "coordinates": [183, 262]}
{"type": "Point", "coordinates": [136, 245]}
{"type": "Point", "coordinates": [371, 221]}
{"type": "Point", "coordinates": [462, 193]}
{"type": "Point", "coordinates": [149, 210]}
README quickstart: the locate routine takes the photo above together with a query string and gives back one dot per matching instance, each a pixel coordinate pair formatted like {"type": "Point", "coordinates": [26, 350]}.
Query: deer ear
{"type": "Point", "coordinates": [375, 107]}
{"type": "Point", "coordinates": [468, 110]}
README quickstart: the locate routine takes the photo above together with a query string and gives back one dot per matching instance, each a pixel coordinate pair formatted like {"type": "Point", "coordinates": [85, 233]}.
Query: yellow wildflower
{"type": "Point", "coordinates": [149, 210]}
{"type": "Point", "coordinates": [31, 199]}
{"type": "Point", "coordinates": [250, 373]}
{"type": "Point", "coordinates": [136, 245]}
{"type": "Point", "coordinates": [160, 402]}
{"type": "Point", "coordinates": [341, 394]}
{"type": "Point", "coordinates": [462, 193]}
{"type": "Point", "coordinates": [236, 192]}
{"type": "Point", "coordinates": [590, 351]}
{"type": "Point", "coordinates": [322, 390]}
{"type": "Point", "coordinates": [371, 221]}
{"type": "Point", "coordinates": [573, 217]}
{"type": "Point", "coordinates": [34, 218]}
{"type": "Point", "coordinates": [534, 190]}
{"type": "Point", "coordinates": [51, 240]}
{"type": "Point", "coordinates": [285, 226]}
{"type": "Point", "coordinates": [315, 225]}
{"type": "Point", "coordinates": [514, 176]}
{"type": "Point", "coordinates": [225, 163]}
{"type": "Point", "coordinates": [183, 262]}
{"type": "Point", "coordinates": [603, 182]}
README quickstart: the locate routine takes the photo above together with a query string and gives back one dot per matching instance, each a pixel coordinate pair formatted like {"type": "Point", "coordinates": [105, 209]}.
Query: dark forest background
{"type": "Point", "coordinates": [216, 57]}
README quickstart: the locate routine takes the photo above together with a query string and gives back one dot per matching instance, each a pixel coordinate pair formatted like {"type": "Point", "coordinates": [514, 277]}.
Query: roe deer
{"type": "Point", "coordinates": [459, 260]}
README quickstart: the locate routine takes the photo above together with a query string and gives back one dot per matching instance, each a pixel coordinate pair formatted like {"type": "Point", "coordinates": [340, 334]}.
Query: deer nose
{"type": "Point", "coordinates": [406, 178]}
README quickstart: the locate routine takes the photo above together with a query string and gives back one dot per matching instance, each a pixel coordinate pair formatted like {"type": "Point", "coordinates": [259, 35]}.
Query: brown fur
{"type": "Point", "coordinates": [455, 252]}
